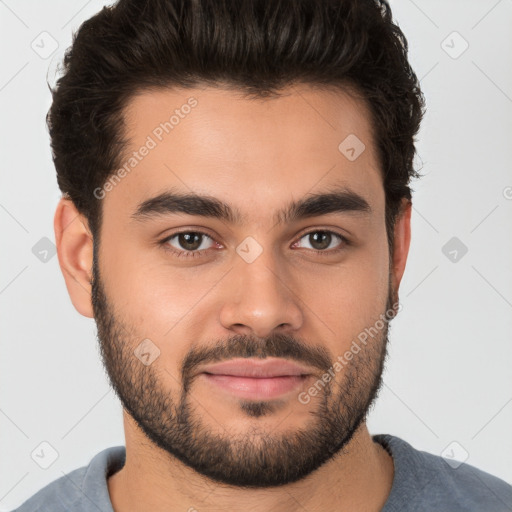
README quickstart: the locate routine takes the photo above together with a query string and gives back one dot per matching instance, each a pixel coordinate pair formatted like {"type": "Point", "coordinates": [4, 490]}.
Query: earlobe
{"type": "Point", "coordinates": [402, 240]}
{"type": "Point", "coordinates": [75, 252]}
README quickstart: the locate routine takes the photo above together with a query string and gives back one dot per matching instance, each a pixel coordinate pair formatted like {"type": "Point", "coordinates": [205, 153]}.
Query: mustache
{"type": "Point", "coordinates": [276, 345]}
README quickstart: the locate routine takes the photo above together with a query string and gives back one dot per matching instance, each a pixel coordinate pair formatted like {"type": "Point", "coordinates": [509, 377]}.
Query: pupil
{"type": "Point", "coordinates": [325, 239]}
{"type": "Point", "coordinates": [190, 241]}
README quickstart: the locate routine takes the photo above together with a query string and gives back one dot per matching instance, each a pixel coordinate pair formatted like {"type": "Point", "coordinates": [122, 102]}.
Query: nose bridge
{"type": "Point", "coordinates": [259, 297]}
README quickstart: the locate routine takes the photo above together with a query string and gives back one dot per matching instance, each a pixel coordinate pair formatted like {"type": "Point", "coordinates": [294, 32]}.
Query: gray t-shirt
{"type": "Point", "coordinates": [422, 483]}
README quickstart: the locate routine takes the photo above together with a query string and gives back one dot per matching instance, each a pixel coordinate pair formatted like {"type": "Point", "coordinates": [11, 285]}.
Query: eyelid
{"type": "Point", "coordinates": [166, 239]}
{"type": "Point", "coordinates": [342, 246]}
{"type": "Point", "coordinates": [335, 231]}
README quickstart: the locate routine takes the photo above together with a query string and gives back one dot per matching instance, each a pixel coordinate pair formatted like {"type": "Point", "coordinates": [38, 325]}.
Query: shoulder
{"type": "Point", "coordinates": [429, 482]}
{"type": "Point", "coordinates": [82, 489]}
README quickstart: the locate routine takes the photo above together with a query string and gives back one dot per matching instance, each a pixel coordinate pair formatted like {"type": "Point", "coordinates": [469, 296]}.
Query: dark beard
{"type": "Point", "coordinates": [258, 458]}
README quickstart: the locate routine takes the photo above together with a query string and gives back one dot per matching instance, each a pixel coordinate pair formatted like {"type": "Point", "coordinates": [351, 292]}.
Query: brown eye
{"type": "Point", "coordinates": [322, 240]}
{"type": "Point", "coordinates": [188, 241]}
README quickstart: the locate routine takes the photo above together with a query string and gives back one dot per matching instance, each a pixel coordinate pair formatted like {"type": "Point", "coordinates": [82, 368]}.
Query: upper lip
{"type": "Point", "coordinates": [258, 368]}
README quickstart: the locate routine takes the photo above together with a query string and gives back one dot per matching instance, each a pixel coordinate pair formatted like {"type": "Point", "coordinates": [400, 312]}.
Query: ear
{"type": "Point", "coordinates": [401, 243]}
{"type": "Point", "coordinates": [75, 250]}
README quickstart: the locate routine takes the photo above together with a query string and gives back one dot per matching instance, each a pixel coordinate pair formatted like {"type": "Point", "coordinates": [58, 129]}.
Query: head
{"type": "Point", "coordinates": [236, 185]}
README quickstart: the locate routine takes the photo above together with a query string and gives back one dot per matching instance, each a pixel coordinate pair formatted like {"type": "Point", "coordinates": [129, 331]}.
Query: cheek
{"type": "Point", "coordinates": [158, 300]}
{"type": "Point", "coordinates": [351, 296]}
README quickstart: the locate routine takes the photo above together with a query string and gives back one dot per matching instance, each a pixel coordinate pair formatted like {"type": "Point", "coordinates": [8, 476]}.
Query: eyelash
{"type": "Point", "coordinates": [201, 253]}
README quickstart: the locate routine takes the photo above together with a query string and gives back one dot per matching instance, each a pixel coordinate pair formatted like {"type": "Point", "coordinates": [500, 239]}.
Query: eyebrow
{"type": "Point", "coordinates": [337, 200]}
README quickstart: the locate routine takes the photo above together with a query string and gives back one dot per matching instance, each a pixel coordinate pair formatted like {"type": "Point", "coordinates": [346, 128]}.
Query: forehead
{"type": "Point", "coordinates": [250, 153]}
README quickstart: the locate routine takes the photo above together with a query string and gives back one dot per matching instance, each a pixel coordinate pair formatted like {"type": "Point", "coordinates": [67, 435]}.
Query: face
{"type": "Point", "coordinates": [278, 255]}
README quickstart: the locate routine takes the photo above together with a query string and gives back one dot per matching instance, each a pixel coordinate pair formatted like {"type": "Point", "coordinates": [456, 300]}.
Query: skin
{"type": "Point", "coordinates": [256, 155]}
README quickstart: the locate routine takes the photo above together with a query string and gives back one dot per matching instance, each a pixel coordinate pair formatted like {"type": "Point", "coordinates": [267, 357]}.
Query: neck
{"type": "Point", "coordinates": [359, 478]}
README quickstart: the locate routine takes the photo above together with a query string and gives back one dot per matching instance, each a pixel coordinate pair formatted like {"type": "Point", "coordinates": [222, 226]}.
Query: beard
{"type": "Point", "coordinates": [258, 458]}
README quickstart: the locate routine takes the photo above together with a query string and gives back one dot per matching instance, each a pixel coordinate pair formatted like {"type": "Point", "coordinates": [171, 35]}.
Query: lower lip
{"type": "Point", "coordinates": [256, 388]}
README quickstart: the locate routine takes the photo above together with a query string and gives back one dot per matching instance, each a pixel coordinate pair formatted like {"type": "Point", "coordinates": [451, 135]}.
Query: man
{"type": "Point", "coordinates": [236, 219]}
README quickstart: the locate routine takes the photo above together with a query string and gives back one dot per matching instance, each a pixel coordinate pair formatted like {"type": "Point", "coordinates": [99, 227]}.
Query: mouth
{"type": "Point", "coordinates": [256, 379]}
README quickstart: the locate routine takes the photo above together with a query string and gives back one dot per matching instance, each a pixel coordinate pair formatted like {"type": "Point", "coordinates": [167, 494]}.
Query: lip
{"type": "Point", "coordinates": [257, 368]}
{"type": "Point", "coordinates": [256, 379]}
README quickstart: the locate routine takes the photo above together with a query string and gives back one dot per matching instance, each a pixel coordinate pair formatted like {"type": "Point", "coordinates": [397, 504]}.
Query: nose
{"type": "Point", "coordinates": [260, 298]}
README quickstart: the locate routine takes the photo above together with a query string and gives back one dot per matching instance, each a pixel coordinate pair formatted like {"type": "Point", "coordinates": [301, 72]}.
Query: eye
{"type": "Point", "coordinates": [188, 244]}
{"type": "Point", "coordinates": [193, 244]}
{"type": "Point", "coordinates": [321, 240]}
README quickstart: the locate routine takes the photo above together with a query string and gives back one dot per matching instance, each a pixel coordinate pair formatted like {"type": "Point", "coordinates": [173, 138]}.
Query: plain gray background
{"type": "Point", "coordinates": [448, 384]}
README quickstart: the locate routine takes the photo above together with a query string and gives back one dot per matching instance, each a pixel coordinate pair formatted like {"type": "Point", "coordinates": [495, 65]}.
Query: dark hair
{"type": "Point", "coordinates": [255, 46]}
